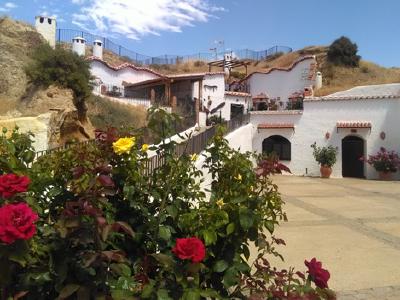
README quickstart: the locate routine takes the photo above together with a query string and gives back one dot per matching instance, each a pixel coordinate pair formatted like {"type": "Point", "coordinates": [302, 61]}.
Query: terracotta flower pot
{"type": "Point", "coordinates": [385, 176]}
{"type": "Point", "coordinates": [325, 171]}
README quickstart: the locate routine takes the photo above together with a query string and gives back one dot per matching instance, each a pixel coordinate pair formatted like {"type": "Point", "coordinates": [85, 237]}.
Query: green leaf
{"type": "Point", "coordinates": [239, 199]}
{"type": "Point", "coordinates": [210, 237]}
{"type": "Point", "coordinates": [126, 228]}
{"type": "Point", "coordinates": [231, 277]}
{"type": "Point", "coordinates": [230, 228]}
{"type": "Point", "coordinates": [191, 295]}
{"type": "Point", "coordinates": [68, 290]}
{"type": "Point", "coordinates": [246, 218]}
{"type": "Point", "coordinates": [220, 266]}
{"type": "Point", "coordinates": [270, 226]}
{"type": "Point", "coordinates": [164, 259]}
{"type": "Point", "coordinates": [163, 295]}
{"type": "Point", "coordinates": [164, 233]}
{"type": "Point", "coordinates": [147, 291]}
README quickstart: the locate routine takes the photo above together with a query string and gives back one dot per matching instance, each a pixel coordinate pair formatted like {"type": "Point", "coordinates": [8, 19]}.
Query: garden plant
{"type": "Point", "coordinates": [90, 222]}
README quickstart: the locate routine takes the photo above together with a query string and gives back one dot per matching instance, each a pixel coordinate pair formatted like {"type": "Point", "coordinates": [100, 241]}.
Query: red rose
{"type": "Point", "coordinates": [17, 222]}
{"type": "Point", "coordinates": [190, 248]}
{"type": "Point", "coordinates": [319, 275]}
{"type": "Point", "coordinates": [11, 184]}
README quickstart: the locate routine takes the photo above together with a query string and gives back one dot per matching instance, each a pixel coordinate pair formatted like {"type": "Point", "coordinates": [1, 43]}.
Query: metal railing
{"type": "Point", "coordinates": [66, 36]}
{"type": "Point", "coordinates": [195, 144]}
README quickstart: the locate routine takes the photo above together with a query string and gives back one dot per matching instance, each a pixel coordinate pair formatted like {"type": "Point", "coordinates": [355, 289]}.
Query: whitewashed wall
{"type": "Point", "coordinates": [320, 117]}
{"type": "Point", "coordinates": [116, 77]}
{"type": "Point", "coordinates": [240, 100]}
{"type": "Point", "coordinates": [217, 94]}
{"type": "Point", "coordinates": [279, 83]}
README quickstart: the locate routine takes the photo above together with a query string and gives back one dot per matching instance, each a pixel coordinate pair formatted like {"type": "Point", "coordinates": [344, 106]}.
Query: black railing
{"type": "Point", "coordinates": [66, 36]}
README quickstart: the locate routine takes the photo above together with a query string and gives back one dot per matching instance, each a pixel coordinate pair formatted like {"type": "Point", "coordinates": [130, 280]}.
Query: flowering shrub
{"type": "Point", "coordinates": [384, 161]}
{"type": "Point", "coordinates": [107, 228]}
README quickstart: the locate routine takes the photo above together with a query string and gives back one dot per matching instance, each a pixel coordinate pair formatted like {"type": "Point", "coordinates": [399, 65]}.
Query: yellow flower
{"type": "Point", "coordinates": [238, 177]}
{"type": "Point", "coordinates": [145, 147]}
{"type": "Point", "coordinates": [194, 157]}
{"type": "Point", "coordinates": [123, 145]}
{"type": "Point", "coordinates": [220, 203]}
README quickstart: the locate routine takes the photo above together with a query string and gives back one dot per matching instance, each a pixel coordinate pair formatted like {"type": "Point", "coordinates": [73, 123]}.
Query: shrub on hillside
{"type": "Point", "coordinates": [344, 52]}
{"type": "Point", "coordinates": [64, 69]}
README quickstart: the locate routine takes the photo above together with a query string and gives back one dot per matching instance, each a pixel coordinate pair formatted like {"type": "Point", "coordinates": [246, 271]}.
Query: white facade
{"type": "Point", "coordinates": [214, 94]}
{"type": "Point", "coordinates": [46, 26]}
{"type": "Point", "coordinates": [280, 83]}
{"type": "Point", "coordinates": [115, 76]}
{"type": "Point", "coordinates": [318, 123]}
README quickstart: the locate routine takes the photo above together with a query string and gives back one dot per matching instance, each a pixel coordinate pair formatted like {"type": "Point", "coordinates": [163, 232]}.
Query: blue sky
{"type": "Point", "coordinates": [156, 27]}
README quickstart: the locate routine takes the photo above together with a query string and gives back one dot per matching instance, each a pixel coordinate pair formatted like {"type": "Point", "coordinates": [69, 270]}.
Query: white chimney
{"type": "Point", "coordinates": [46, 26]}
{"type": "Point", "coordinates": [98, 49]}
{"type": "Point", "coordinates": [79, 45]}
{"type": "Point", "coordinates": [318, 80]}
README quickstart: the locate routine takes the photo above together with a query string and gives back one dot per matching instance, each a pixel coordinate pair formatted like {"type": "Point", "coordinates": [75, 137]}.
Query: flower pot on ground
{"type": "Point", "coordinates": [326, 171]}
{"type": "Point", "coordinates": [326, 157]}
{"type": "Point", "coordinates": [386, 176]}
{"type": "Point", "coordinates": [385, 162]}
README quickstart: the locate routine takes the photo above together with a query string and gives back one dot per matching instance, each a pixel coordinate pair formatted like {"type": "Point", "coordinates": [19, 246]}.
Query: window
{"type": "Point", "coordinates": [279, 145]}
{"type": "Point", "coordinates": [49, 21]}
{"type": "Point", "coordinates": [41, 20]}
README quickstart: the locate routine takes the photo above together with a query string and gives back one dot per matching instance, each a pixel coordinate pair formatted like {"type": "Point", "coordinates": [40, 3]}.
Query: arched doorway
{"type": "Point", "coordinates": [352, 151]}
{"type": "Point", "coordinates": [279, 145]}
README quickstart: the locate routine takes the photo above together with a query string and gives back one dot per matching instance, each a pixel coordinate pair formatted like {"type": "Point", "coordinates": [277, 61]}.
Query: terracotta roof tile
{"type": "Point", "coordinates": [288, 69]}
{"type": "Point", "coordinates": [124, 66]}
{"type": "Point", "coordinates": [238, 94]}
{"type": "Point", "coordinates": [276, 126]}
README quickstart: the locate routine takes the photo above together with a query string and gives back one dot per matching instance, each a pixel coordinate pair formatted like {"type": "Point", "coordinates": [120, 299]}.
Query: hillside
{"type": "Point", "coordinates": [335, 78]}
{"type": "Point", "coordinates": [19, 98]}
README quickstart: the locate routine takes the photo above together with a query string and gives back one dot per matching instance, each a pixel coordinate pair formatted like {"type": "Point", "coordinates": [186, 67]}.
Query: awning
{"type": "Point", "coordinates": [276, 126]}
{"type": "Point", "coordinates": [353, 125]}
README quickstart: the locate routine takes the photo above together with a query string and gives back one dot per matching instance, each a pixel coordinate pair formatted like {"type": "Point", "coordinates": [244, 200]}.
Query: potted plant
{"type": "Point", "coordinates": [326, 157]}
{"type": "Point", "coordinates": [385, 163]}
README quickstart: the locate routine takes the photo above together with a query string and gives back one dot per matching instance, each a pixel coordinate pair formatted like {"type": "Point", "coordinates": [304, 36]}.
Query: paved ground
{"type": "Point", "coordinates": [352, 226]}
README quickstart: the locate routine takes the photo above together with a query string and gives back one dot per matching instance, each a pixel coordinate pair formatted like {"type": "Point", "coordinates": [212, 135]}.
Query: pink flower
{"type": "Point", "coordinates": [190, 248]}
{"type": "Point", "coordinates": [11, 184]}
{"type": "Point", "coordinates": [17, 222]}
{"type": "Point", "coordinates": [319, 275]}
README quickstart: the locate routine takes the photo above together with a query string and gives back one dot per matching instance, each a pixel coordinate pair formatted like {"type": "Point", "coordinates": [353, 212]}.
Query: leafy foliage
{"type": "Point", "coordinates": [325, 156]}
{"type": "Point", "coordinates": [62, 68]}
{"type": "Point", "coordinates": [344, 52]}
{"type": "Point", "coordinates": [109, 229]}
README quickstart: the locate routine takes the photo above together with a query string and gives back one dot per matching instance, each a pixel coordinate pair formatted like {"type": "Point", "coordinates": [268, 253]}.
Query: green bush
{"type": "Point", "coordinates": [63, 68]}
{"type": "Point", "coordinates": [344, 52]}
{"type": "Point", "coordinates": [325, 156]}
{"type": "Point", "coordinates": [109, 229]}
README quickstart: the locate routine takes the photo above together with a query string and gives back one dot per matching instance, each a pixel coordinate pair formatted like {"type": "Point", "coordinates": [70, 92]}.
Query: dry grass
{"type": "Point", "coordinates": [104, 113]}
{"type": "Point", "coordinates": [337, 78]}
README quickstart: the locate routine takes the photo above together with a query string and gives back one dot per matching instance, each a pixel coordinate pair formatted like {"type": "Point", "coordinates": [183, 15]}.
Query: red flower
{"type": "Point", "coordinates": [17, 222]}
{"type": "Point", "coordinates": [11, 184]}
{"type": "Point", "coordinates": [190, 248]}
{"type": "Point", "coordinates": [319, 275]}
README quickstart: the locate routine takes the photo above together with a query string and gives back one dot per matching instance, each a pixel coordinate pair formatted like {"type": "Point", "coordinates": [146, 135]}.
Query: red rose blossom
{"type": "Point", "coordinates": [190, 248]}
{"type": "Point", "coordinates": [319, 275]}
{"type": "Point", "coordinates": [17, 222]}
{"type": "Point", "coordinates": [11, 184]}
